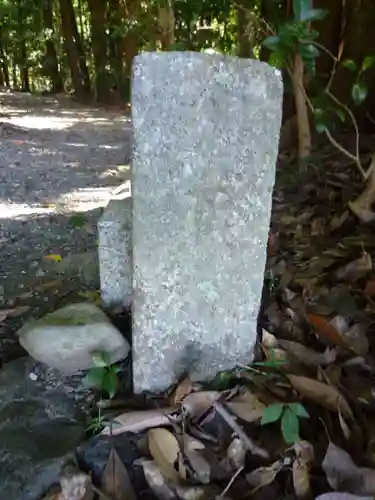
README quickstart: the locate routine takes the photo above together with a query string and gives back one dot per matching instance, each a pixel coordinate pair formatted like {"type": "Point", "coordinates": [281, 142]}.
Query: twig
{"type": "Point", "coordinates": [355, 158]}
{"type": "Point", "coordinates": [226, 489]}
{"type": "Point", "coordinates": [231, 421]}
{"type": "Point", "coordinates": [346, 153]}
{"type": "Point", "coordinates": [324, 49]}
{"type": "Point", "coordinates": [354, 121]}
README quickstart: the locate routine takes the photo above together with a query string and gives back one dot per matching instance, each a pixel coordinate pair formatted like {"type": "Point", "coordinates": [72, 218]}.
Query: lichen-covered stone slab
{"type": "Point", "coordinates": [206, 140]}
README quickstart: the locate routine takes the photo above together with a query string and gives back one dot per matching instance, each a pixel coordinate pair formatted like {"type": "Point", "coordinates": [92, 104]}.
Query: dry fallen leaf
{"type": "Point", "coordinates": [344, 426]}
{"type": "Point", "coordinates": [198, 403]}
{"type": "Point", "coordinates": [194, 492]}
{"type": "Point", "coordinates": [323, 394]}
{"type": "Point", "coordinates": [355, 270]}
{"type": "Point", "coordinates": [325, 330]}
{"type": "Point", "coordinates": [307, 356]}
{"type": "Point", "coordinates": [115, 480]}
{"type": "Point", "coordinates": [301, 478]}
{"type": "Point", "coordinates": [138, 421]}
{"type": "Point", "coordinates": [183, 389]}
{"type": "Point", "coordinates": [236, 453]}
{"type": "Point", "coordinates": [341, 496]}
{"type": "Point", "coordinates": [301, 468]}
{"type": "Point", "coordinates": [247, 407]}
{"type": "Point", "coordinates": [13, 313]}
{"type": "Point", "coordinates": [369, 290]}
{"type": "Point", "coordinates": [356, 340]}
{"type": "Point", "coordinates": [54, 257]}
{"type": "Point", "coordinates": [165, 450]}
{"type": "Point", "coordinates": [264, 475]}
{"type": "Point", "coordinates": [199, 465]}
{"type": "Point", "coordinates": [305, 450]}
{"type": "Point", "coordinates": [343, 474]}
{"type": "Point", "coordinates": [156, 480]}
{"type": "Point", "coordinates": [191, 443]}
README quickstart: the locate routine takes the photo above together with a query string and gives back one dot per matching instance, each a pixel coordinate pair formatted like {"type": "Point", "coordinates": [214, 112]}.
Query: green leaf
{"type": "Point", "coordinates": [359, 93]}
{"type": "Point", "coordinates": [110, 383]}
{"type": "Point", "coordinates": [303, 11]}
{"type": "Point", "coordinates": [340, 113]}
{"type": "Point", "coordinates": [298, 410]}
{"type": "Point", "coordinates": [277, 59]}
{"type": "Point", "coordinates": [272, 42]}
{"type": "Point", "coordinates": [94, 377]}
{"type": "Point", "coordinates": [78, 220]}
{"type": "Point", "coordinates": [313, 34]}
{"type": "Point", "coordinates": [320, 128]}
{"type": "Point", "coordinates": [368, 61]}
{"type": "Point", "coordinates": [100, 358]}
{"type": "Point", "coordinates": [350, 64]}
{"type": "Point", "coordinates": [301, 6]}
{"type": "Point", "coordinates": [308, 50]}
{"type": "Point", "coordinates": [313, 15]}
{"type": "Point", "coordinates": [321, 120]}
{"type": "Point", "coordinates": [290, 426]}
{"type": "Point", "coordinates": [272, 413]}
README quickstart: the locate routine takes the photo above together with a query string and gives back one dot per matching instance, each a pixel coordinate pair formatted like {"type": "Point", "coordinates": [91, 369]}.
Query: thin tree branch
{"type": "Point", "coordinates": [225, 491]}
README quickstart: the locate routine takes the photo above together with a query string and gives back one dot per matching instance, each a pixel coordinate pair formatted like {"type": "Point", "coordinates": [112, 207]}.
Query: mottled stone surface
{"type": "Point", "coordinates": [115, 253]}
{"type": "Point", "coordinates": [40, 427]}
{"type": "Point", "coordinates": [206, 139]}
{"type": "Point", "coordinates": [66, 339]}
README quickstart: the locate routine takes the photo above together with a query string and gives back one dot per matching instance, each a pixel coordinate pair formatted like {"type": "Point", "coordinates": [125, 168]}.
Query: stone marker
{"type": "Point", "coordinates": [115, 259]}
{"type": "Point", "coordinates": [66, 339]}
{"type": "Point", "coordinates": [206, 140]}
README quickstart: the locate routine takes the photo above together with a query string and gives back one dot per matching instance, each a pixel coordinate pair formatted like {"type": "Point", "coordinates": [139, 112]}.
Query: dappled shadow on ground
{"type": "Point", "coordinates": [44, 156]}
{"type": "Point", "coordinates": [57, 159]}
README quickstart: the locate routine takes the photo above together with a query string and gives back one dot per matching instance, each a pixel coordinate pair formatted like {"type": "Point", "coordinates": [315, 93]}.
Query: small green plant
{"type": "Point", "coordinates": [103, 375]}
{"type": "Point", "coordinates": [289, 415]}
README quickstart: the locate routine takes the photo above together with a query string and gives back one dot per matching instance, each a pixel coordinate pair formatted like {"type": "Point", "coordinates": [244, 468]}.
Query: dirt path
{"type": "Point", "coordinates": [56, 159]}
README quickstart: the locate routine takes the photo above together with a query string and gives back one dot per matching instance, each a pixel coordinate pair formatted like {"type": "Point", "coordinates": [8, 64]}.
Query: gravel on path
{"type": "Point", "coordinates": [57, 159]}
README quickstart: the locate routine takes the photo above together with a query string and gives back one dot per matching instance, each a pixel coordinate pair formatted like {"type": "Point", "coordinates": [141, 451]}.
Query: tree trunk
{"type": "Point", "coordinates": [5, 69]}
{"type": "Point", "coordinates": [51, 62]}
{"type": "Point", "coordinates": [114, 16]}
{"type": "Point", "coordinates": [74, 50]}
{"type": "Point", "coordinates": [14, 75]}
{"type": "Point", "coordinates": [129, 43]}
{"type": "Point", "coordinates": [24, 67]}
{"type": "Point", "coordinates": [4, 64]}
{"type": "Point", "coordinates": [304, 134]}
{"type": "Point", "coordinates": [78, 42]}
{"type": "Point", "coordinates": [99, 48]}
{"type": "Point", "coordinates": [245, 34]}
{"type": "Point", "coordinates": [166, 24]}
{"type": "Point", "coordinates": [80, 17]}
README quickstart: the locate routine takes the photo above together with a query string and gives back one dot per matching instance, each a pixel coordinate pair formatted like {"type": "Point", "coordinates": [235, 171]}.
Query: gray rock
{"type": "Point", "coordinates": [115, 253]}
{"type": "Point", "coordinates": [66, 338]}
{"type": "Point", "coordinates": [40, 428]}
{"type": "Point", "coordinates": [83, 266]}
{"type": "Point", "coordinates": [206, 140]}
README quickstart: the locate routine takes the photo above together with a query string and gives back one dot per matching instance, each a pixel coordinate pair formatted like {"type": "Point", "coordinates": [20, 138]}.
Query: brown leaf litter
{"type": "Point", "coordinates": [314, 380]}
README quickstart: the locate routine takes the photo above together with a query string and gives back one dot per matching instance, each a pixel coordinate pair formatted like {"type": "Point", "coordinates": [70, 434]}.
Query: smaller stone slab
{"type": "Point", "coordinates": [115, 253]}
